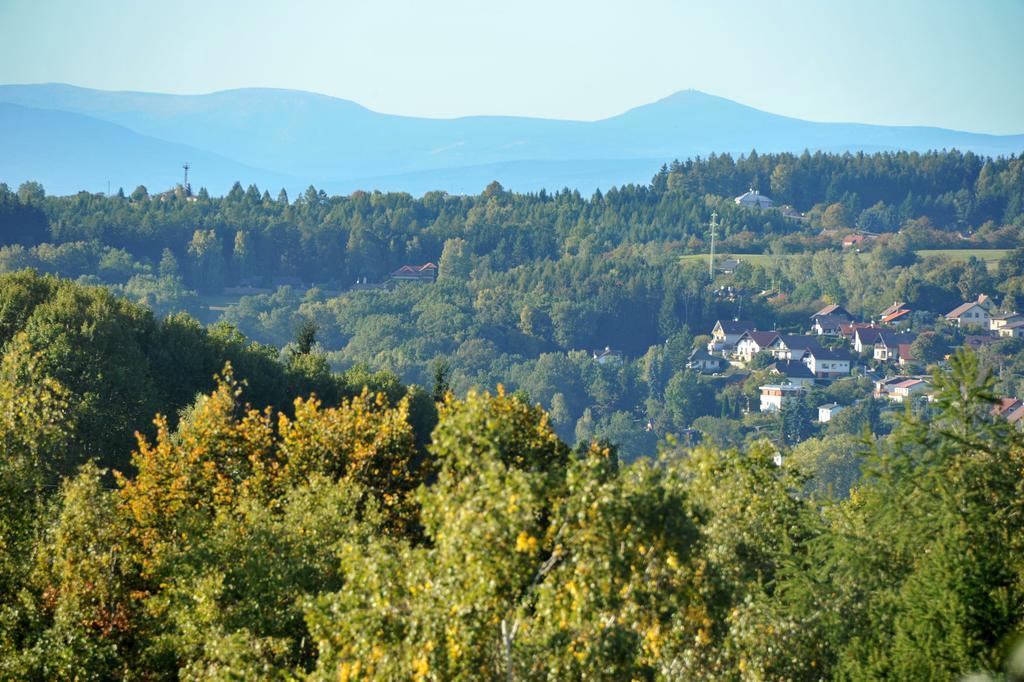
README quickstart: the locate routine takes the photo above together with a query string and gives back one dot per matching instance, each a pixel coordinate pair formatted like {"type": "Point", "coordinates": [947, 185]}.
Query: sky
{"type": "Point", "coordinates": [950, 63]}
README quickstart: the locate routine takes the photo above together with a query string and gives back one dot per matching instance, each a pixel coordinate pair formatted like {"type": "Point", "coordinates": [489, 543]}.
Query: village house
{"type": "Point", "coordinates": [906, 356]}
{"type": "Point", "coordinates": [907, 389]}
{"type": "Point", "coordinates": [887, 345]}
{"type": "Point", "coordinates": [826, 412]}
{"type": "Point", "coordinates": [997, 322]}
{"type": "Point", "coordinates": [1007, 406]}
{"type": "Point", "coordinates": [897, 312]}
{"type": "Point", "coordinates": [829, 325]}
{"type": "Point", "coordinates": [726, 333]}
{"type": "Point", "coordinates": [852, 240]}
{"type": "Point", "coordinates": [704, 362]}
{"type": "Point", "coordinates": [792, 372]}
{"type": "Point", "coordinates": [864, 338]}
{"type": "Point", "coordinates": [415, 273]}
{"type": "Point", "coordinates": [849, 331]}
{"type": "Point", "coordinates": [774, 396]}
{"type": "Point", "coordinates": [792, 346]}
{"type": "Point", "coordinates": [728, 266]}
{"type": "Point", "coordinates": [1013, 330]}
{"type": "Point", "coordinates": [753, 199]}
{"type": "Point", "coordinates": [970, 314]}
{"type": "Point", "coordinates": [752, 343]}
{"type": "Point", "coordinates": [826, 363]}
{"type": "Point", "coordinates": [858, 240]}
{"type": "Point", "coordinates": [1015, 414]}
{"type": "Point", "coordinates": [883, 387]}
{"type": "Point", "coordinates": [833, 310]}
{"type": "Point", "coordinates": [1016, 418]}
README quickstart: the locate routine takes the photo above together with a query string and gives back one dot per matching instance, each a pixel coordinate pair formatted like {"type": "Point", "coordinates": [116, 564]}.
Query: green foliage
{"type": "Point", "coordinates": [378, 531]}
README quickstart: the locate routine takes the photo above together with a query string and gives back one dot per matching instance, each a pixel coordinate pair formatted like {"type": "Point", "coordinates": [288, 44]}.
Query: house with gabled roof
{"type": "Point", "coordinates": [752, 343]}
{"type": "Point", "coordinates": [833, 310]}
{"type": "Point", "coordinates": [728, 266]}
{"type": "Point", "coordinates": [883, 387]}
{"type": "Point", "coordinates": [887, 345]}
{"type": "Point", "coordinates": [906, 356]}
{"type": "Point", "coordinates": [827, 411]}
{"type": "Point", "coordinates": [828, 325]}
{"type": "Point", "coordinates": [726, 333]}
{"type": "Point", "coordinates": [827, 363]}
{"type": "Point", "coordinates": [1013, 330]}
{"type": "Point", "coordinates": [970, 314]}
{"type": "Point", "coordinates": [793, 372]}
{"type": "Point", "coordinates": [792, 346]}
{"type": "Point", "coordinates": [908, 388]}
{"type": "Point", "coordinates": [415, 273]}
{"type": "Point", "coordinates": [897, 312]}
{"type": "Point", "coordinates": [849, 330]}
{"type": "Point", "coordinates": [704, 362]}
{"type": "Point", "coordinates": [1007, 406]}
{"type": "Point", "coordinates": [901, 315]}
{"type": "Point", "coordinates": [997, 322]}
{"type": "Point", "coordinates": [864, 338]}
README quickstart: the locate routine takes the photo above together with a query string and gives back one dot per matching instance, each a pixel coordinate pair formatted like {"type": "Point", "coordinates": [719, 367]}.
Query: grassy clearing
{"type": "Point", "coordinates": [990, 257]}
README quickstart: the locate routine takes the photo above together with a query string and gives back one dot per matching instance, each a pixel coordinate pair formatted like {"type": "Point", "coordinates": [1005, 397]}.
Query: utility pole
{"type": "Point", "coordinates": [711, 258]}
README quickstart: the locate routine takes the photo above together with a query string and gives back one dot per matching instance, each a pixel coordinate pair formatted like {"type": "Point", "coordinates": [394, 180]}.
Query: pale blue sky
{"type": "Point", "coordinates": [951, 63]}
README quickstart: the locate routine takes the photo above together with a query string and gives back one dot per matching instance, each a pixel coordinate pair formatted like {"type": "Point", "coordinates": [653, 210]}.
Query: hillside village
{"type": "Point", "coordinates": [894, 351]}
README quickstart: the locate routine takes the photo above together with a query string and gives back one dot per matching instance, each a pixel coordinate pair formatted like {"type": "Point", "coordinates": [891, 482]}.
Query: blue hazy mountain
{"type": "Point", "coordinates": [293, 138]}
{"type": "Point", "coordinates": [69, 152]}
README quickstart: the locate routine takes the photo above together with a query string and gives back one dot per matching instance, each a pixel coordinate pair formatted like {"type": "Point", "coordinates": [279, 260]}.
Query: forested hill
{"type": "Point", "coordinates": [531, 285]}
{"type": "Point", "coordinates": [336, 239]}
{"type": "Point", "coordinates": [294, 138]}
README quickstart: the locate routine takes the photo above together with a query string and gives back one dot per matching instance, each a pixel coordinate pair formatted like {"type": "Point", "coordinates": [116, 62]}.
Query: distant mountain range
{"type": "Point", "coordinates": [72, 138]}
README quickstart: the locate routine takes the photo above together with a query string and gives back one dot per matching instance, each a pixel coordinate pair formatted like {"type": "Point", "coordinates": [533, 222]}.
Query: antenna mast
{"type": "Point", "coordinates": [711, 257]}
{"type": "Point", "coordinates": [185, 186]}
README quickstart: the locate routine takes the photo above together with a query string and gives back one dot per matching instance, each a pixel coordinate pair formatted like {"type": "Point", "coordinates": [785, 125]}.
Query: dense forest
{"type": "Point", "coordinates": [365, 530]}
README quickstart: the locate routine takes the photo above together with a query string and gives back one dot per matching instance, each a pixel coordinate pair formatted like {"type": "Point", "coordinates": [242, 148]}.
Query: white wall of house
{"type": "Point", "coordinates": [747, 349]}
{"type": "Point", "coordinates": [826, 413]}
{"type": "Point", "coordinates": [975, 316]}
{"type": "Point", "coordinates": [827, 367]}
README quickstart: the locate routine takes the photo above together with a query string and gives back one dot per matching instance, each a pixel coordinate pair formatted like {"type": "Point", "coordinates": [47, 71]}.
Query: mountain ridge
{"type": "Point", "coordinates": [301, 138]}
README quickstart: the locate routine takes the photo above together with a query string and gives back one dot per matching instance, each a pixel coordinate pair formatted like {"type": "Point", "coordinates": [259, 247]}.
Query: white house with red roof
{"type": "Point", "coordinates": [907, 389]}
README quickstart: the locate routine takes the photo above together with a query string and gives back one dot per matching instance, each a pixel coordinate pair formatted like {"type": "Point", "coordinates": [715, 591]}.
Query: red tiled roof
{"type": "Point", "coordinates": [1008, 405]}
{"type": "Point", "coordinates": [895, 315]}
